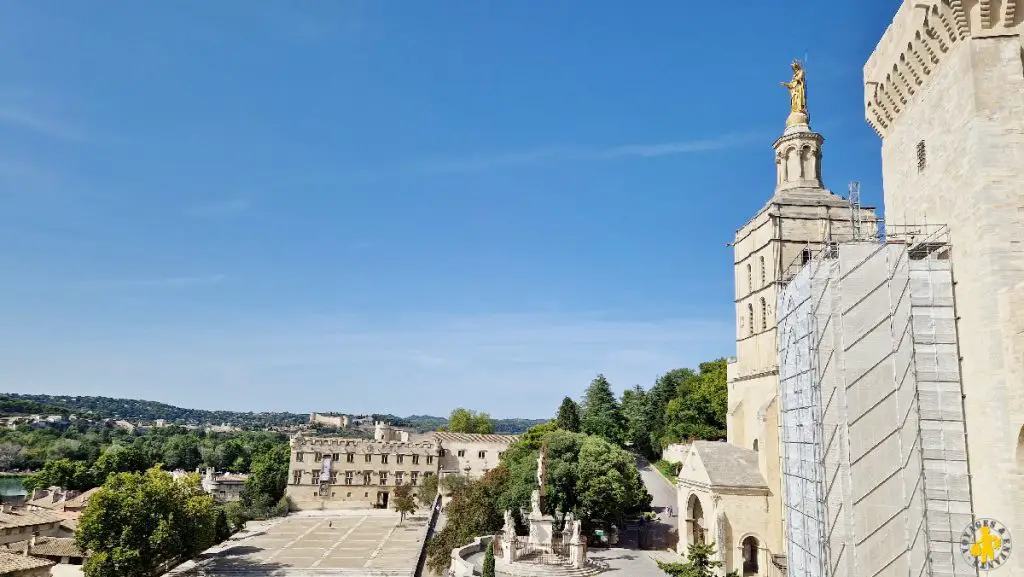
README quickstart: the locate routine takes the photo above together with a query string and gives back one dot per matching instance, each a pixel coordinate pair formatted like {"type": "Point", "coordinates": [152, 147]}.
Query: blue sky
{"type": "Point", "coordinates": [395, 206]}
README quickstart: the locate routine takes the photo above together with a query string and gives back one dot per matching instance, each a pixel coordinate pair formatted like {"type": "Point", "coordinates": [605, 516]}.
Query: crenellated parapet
{"type": "Point", "coordinates": [922, 33]}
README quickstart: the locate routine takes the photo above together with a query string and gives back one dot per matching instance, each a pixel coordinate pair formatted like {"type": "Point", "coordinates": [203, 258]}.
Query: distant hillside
{"type": "Point", "coordinates": [138, 410]}
{"type": "Point", "coordinates": [431, 423]}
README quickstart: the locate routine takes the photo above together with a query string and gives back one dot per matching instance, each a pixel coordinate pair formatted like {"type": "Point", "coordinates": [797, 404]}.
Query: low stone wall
{"type": "Point", "coordinates": [462, 567]}
{"type": "Point", "coordinates": [428, 533]}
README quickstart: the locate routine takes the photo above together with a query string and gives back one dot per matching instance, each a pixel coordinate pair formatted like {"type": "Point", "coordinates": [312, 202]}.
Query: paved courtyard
{"type": "Point", "coordinates": [346, 544]}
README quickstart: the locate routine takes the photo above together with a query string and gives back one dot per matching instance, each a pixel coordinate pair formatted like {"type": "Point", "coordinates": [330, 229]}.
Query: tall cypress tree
{"type": "Point", "coordinates": [568, 416]}
{"type": "Point", "coordinates": [601, 413]}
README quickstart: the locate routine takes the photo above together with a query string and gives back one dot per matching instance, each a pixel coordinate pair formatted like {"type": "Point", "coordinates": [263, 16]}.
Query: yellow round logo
{"type": "Point", "coordinates": [986, 544]}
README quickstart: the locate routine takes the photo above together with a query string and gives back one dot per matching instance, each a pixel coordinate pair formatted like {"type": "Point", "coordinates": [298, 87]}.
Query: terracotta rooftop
{"type": "Point", "coordinates": [12, 562]}
{"type": "Point", "coordinates": [474, 438]}
{"type": "Point", "coordinates": [48, 547]}
{"type": "Point", "coordinates": [26, 518]}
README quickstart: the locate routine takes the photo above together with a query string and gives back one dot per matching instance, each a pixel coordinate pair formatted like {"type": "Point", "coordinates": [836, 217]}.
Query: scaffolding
{"type": "Point", "coordinates": [874, 459]}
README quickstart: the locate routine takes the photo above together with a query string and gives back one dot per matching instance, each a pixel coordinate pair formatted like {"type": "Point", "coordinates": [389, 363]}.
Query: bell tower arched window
{"type": "Point", "coordinates": [750, 279]}
{"type": "Point", "coordinates": [764, 315]}
{"type": "Point", "coordinates": [750, 317]}
{"type": "Point", "coordinates": [764, 275]}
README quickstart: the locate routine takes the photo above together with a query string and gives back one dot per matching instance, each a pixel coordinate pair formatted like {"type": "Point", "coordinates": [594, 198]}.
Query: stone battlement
{"type": "Point", "coordinates": [922, 33]}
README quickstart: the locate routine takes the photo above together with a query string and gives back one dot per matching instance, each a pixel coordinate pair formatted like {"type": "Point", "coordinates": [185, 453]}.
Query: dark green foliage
{"type": "Point", "coordinates": [267, 481]}
{"type": "Point", "coordinates": [473, 511]}
{"type": "Point", "coordinates": [141, 522]}
{"type": "Point", "coordinates": [698, 409]}
{"type": "Point", "coordinates": [637, 414]}
{"type": "Point", "coordinates": [488, 568]}
{"type": "Point", "coordinates": [403, 501]}
{"type": "Point", "coordinates": [568, 415]}
{"type": "Point", "coordinates": [428, 491]}
{"type": "Point", "coordinates": [601, 414]}
{"type": "Point", "coordinates": [467, 421]}
{"type": "Point", "coordinates": [698, 563]}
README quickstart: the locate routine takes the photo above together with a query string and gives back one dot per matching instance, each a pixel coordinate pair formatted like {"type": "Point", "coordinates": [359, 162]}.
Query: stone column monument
{"type": "Point", "coordinates": [508, 538]}
{"type": "Point", "coordinates": [577, 546]}
{"type": "Point", "coordinates": [540, 524]}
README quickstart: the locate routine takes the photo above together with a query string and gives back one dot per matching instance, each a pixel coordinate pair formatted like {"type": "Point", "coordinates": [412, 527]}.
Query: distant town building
{"type": "Point", "coordinates": [225, 487]}
{"type": "Point", "coordinates": [471, 455]}
{"type": "Point", "coordinates": [338, 472]}
{"type": "Point", "coordinates": [336, 421]}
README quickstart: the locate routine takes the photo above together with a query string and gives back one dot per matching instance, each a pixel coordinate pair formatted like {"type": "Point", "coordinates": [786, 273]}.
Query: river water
{"type": "Point", "coordinates": [11, 487]}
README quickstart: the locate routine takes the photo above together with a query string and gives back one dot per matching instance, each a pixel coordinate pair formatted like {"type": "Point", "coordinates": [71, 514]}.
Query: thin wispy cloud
{"type": "Point", "coordinates": [225, 207]}
{"type": "Point", "coordinates": [561, 154]}
{"type": "Point", "coordinates": [520, 364]}
{"type": "Point", "coordinates": [23, 117]}
{"type": "Point", "coordinates": [174, 282]}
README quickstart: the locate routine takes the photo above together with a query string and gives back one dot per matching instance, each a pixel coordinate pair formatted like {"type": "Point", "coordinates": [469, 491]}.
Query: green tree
{"type": "Point", "coordinates": [488, 568]}
{"type": "Point", "coordinates": [182, 452]}
{"type": "Point", "coordinates": [139, 523]}
{"type": "Point", "coordinates": [601, 415]}
{"type": "Point", "coordinates": [698, 563]}
{"type": "Point", "coordinates": [61, 473]}
{"type": "Point", "coordinates": [568, 415]}
{"type": "Point", "coordinates": [120, 458]}
{"type": "Point", "coordinates": [699, 408]}
{"type": "Point", "coordinates": [472, 511]}
{"type": "Point", "coordinates": [266, 484]}
{"type": "Point", "coordinates": [586, 475]}
{"type": "Point", "coordinates": [662, 392]}
{"type": "Point", "coordinates": [403, 501]}
{"type": "Point", "coordinates": [636, 410]}
{"type": "Point", "coordinates": [221, 526]}
{"type": "Point", "coordinates": [428, 490]}
{"type": "Point", "coordinates": [466, 421]}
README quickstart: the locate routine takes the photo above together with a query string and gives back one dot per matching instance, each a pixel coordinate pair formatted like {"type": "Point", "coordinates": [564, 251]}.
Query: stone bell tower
{"type": "Point", "coordinates": [799, 219]}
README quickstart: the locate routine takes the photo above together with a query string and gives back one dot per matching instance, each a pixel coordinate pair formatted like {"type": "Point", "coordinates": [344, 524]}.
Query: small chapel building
{"type": "Point", "coordinates": [730, 493]}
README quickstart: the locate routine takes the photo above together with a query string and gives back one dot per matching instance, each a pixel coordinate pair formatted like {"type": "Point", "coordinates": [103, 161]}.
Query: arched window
{"type": "Point", "coordinates": [805, 256]}
{"type": "Point", "coordinates": [750, 280]}
{"type": "Point", "coordinates": [750, 317]}
{"type": "Point", "coordinates": [764, 275]}
{"type": "Point", "coordinates": [755, 445]}
{"type": "Point", "coordinates": [764, 315]}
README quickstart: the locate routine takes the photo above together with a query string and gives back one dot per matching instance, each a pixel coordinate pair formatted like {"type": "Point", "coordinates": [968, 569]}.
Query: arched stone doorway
{"type": "Point", "coordinates": [696, 526]}
{"type": "Point", "coordinates": [751, 550]}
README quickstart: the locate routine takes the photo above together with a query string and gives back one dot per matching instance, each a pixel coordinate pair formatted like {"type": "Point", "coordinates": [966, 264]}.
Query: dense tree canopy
{"type": "Point", "coordinates": [141, 522]}
{"type": "Point", "coordinates": [586, 475]}
{"type": "Point", "coordinates": [466, 421]}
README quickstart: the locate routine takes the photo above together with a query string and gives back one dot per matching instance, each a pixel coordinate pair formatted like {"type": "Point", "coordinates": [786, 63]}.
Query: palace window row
{"type": "Point", "coordinates": [363, 477]}
{"type": "Point", "coordinates": [351, 458]}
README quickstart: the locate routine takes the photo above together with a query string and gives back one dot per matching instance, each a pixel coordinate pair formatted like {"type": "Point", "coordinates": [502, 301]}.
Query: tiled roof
{"type": "Point", "coordinates": [25, 518]}
{"type": "Point", "coordinates": [445, 437]}
{"type": "Point", "coordinates": [729, 465]}
{"type": "Point", "coordinates": [11, 562]}
{"type": "Point", "coordinates": [48, 547]}
{"type": "Point", "coordinates": [83, 499]}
